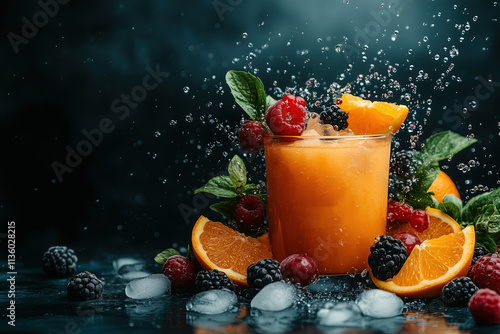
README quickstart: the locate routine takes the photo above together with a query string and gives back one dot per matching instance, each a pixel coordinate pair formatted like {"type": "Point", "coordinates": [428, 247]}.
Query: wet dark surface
{"type": "Point", "coordinates": [42, 307]}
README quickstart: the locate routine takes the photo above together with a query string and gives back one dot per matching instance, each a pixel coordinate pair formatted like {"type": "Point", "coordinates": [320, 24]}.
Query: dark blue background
{"type": "Point", "coordinates": [128, 193]}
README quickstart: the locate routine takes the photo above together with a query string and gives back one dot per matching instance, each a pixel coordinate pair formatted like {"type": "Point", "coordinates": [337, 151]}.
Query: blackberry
{"type": "Point", "coordinates": [478, 252]}
{"type": "Point", "coordinates": [213, 280]}
{"type": "Point", "coordinates": [59, 261]}
{"type": "Point", "coordinates": [334, 116]}
{"type": "Point", "coordinates": [84, 286]}
{"type": "Point", "coordinates": [387, 256]}
{"type": "Point", "coordinates": [400, 163]}
{"type": "Point", "coordinates": [458, 292]}
{"type": "Point", "coordinates": [262, 273]}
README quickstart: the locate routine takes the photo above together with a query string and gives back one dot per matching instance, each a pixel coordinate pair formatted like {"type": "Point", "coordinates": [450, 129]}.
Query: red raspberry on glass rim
{"type": "Point", "coordinates": [287, 117]}
{"type": "Point", "coordinates": [251, 136]}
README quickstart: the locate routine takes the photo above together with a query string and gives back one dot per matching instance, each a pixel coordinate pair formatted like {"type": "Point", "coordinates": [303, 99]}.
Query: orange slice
{"type": "Point", "coordinates": [432, 264]}
{"type": "Point", "coordinates": [367, 117]}
{"type": "Point", "coordinates": [439, 224]}
{"type": "Point", "coordinates": [442, 186]}
{"type": "Point", "coordinates": [217, 246]}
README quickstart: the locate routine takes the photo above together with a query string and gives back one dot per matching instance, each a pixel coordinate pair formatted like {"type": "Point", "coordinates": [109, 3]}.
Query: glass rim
{"type": "Point", "coordinates": [349, 137]}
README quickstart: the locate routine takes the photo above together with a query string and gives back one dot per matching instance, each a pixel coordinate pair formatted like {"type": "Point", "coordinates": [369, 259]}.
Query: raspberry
{"type": "Point", "coordinates": [59, 261]}
{"type": "Point", "coordinates": [213, 280]}
{"type": "Point", "coordinates": [287, 117]}
{"type": "Point", "coordinates": [262, 273]}
{"type": "Point", "coordinates": [84, 286]}
{"type": "Point", "coordinates": [400, 163]}
{"type": "Point", "coordinates": [484, 306]}
{"type": "Point", "coordinates": [251, 135]}
{"type": "Point", "coordinates": [458, 292]}
{"type": "Point", "coordinates": [334, 116]}
{"type": "Point", "coordinates": [486, 272]}
{"type": "Point", "coordinates": [410, 240]}
{"type": "Point", "coordinates": [250, 212]}
{"type": "Point", "coordinates": [397, 211]}
{"type": "Point", "coordinates": [181, 272]}
{"type": "Point", "coordinates": [419, 220]}
{"type": "Point", "coordinates": [387, 256]}
{"type": "Point", "coordinates": [299, 268]}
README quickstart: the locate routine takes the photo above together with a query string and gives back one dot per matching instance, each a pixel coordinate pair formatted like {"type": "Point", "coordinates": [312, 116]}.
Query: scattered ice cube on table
{"type": "Point", "coordinates": [276, 296]}
{"type": "Point", "coordinates": [379, 304]}
{"type": "Point", "coordinates": [118, 263]}
{"type": "Point", "coordinates": [213, 302]}
{"type": "Point", "coordinates": [133, 271]}
{"type": "Point", "coordinates": [148, 287]}
{"type": "Point", "coordinates": [342, 314]}
{"type": "Point", "coordinates": [135, 275]}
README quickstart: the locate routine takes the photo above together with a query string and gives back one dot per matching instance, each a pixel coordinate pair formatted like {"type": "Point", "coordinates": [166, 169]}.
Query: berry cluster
{"type": "Point", "coordinates": [401, 212]}
{"type": "Point", "coordinates": [401, 162]}
{"type": "Point", "coordinates": [335, 116]}
{"type": "Point", "coordinates": [387, 257]}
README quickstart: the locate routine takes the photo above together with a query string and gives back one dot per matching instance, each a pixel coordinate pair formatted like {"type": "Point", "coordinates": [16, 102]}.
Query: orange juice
{"type": "Point", "coordinates": [327, 197]}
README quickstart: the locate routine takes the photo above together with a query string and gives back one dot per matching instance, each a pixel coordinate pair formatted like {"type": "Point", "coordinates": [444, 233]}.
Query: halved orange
{"type": "Point", "coordinates": [367, 117]}
{"type": "Point", "coordinates": [432, 264]}
{"type": "Point", "coordinates": [442, 186]}
{"type": "Point", "coordinates": [217, 246]}
{"type": "Point", "coordinates": [439, 224]}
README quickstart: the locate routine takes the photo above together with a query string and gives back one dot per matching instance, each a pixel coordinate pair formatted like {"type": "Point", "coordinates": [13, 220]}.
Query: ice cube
{"type": "Point", "coordinates": [310, 133]}
{"type": "Point", "coordinates": [380, 304]}
{"type": "Point", "coordinates": [276, 296]}
{"type": "Point", "coordinates": [135, 275]}
{"type": "Point", "coordinates": [314, 122]}
{"type": "Point", "coordinates": [118, 263]}
{"type": "Point", "coordinates": [213, 302]}
{"type": "Point", "coordinates": [148, 287]}
{"type": "Point", "coordinates": [273, 322]}
{"type": "Point", "coordinates": [342, 314]}
{"type": "Point", "coordinates": [132, 271]}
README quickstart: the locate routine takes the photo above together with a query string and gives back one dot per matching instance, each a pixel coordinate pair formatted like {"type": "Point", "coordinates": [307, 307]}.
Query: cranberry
{"type": "Point", "coordinates": [397, 211]}
{"type": "Point", "coordinates": [410, 240]}
{"type": "Point", "coordinates": [181, 272]}
{"type": "Point", "coordinates": [299, 268]}
{"type": "Point", "coordinates": [419, 220]}
{"type": "Point", "coordinates": [250, 212]}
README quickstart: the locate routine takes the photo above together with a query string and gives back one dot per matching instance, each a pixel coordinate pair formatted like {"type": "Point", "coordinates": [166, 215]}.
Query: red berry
{"type": "Point", "coordinates": [251, 135]}
{"type": "Point", "coordinates": [299, 268]}
{"type": "Point", "coordinates": [397, 211]}
{"type": "Point", "coordinates": [484, 306]}
{"type": "Point", "coordinates": [287, 117]}
{"type": "Point", "coordinates": [419, 220]}
{"type": "Point", "coordinates": [300, 101]}
{"type": "Point", "coordinates": [409, 239]}
{"type": "Point", "coordinates": [485, 273]}
{"type": "Point", "coordinates": [181, 272]}
{"type": "Point", "coordinates": [250, 212]}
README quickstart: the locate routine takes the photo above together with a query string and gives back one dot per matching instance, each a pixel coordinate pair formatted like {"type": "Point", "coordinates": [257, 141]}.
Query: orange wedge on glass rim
{"type": "Point", "coordinates": [432, 264]}
{"type": "Point", "coordinates": [367, 117]}
{"type": "Point", "coordinates": [439, 224]}
{"type": "Point", "coordinates": [217, 246]}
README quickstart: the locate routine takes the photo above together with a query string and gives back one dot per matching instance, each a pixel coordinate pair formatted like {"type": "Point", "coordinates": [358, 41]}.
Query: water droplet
{"type": "Point", "coordinates": [436, 57]}
{"type": "Point", "coordinates": [245, 35]}
{"type": "Point", "coordinates": [453, 52]}
{"type": "Point", "coordinates": [173, 122]}
{"type": "Point", "coordinates": [338, 48]}
{"type": "Point", "coordinates": [186, 89]}
{"type": "Point", "coordinates": [157, 134]}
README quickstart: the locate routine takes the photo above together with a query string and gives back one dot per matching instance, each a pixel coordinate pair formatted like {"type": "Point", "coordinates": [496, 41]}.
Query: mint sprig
{"type": "Point", "coordinates": [425, 163]}
{"type": "Point", "coordinates": [248, 92]}
{"type": "Point", "coordinates": [162, 257]}
{"type": "Point", "coordinates": [231, 186]}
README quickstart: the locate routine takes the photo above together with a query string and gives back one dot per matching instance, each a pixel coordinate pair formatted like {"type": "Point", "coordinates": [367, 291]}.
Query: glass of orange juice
{"type": "Point", "coordinates": [327, 197]}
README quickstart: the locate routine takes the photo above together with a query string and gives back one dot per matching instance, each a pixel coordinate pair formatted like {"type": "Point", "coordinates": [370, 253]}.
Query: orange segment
{"type": "Point", "coordinates": [443, 185]}
{"type": "Point", "coordinates": [367, 117]}
{"type": "Point", "coordinates": [432, 264]}
{"type": "Point", "coordinates": [439, 224]}
{"type": "Point", "coordinates": [217, 246]}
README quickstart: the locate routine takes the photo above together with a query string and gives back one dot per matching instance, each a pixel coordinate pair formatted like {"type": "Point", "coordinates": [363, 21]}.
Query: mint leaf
{"type": "Point", "coordinates": [221, 186]}
{"type": "Point", "coordinates": [442, 145]}
{"type": "Point", "coordinates": [248, 92]}
{"type": "Point", "coordinates": [237, 172]}
{"type": "Point", "coordinates": [162, 257]}
{"type": "Point", "coordinates": [472, 207]}
{"type": "Point", "coordinates": [451, 209]}
{"type": "Point", "coordinates": [270, 101]}
{"type": "Point", "coordinates": [225, 208]}
{"type": "Point", "coordinates": [485, 241]}
{"type": "Point", "coordinates": [251, 189]}
{"type": "Point", "coordinates": [417, 196]}
{"type": "Point", "coordinates": [450, 198]}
